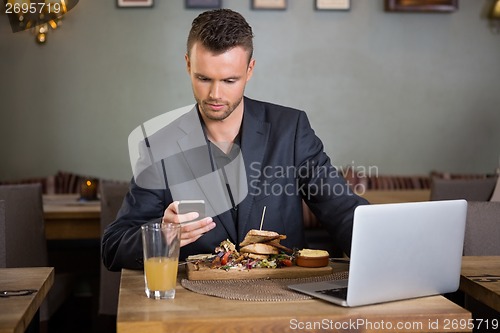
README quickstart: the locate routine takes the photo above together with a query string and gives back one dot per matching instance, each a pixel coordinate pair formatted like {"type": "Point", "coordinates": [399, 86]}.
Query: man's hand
{"type": "Point", "coordinates": [192, 230]}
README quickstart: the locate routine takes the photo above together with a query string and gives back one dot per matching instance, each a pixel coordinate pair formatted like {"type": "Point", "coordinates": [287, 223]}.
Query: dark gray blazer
{"type": "Point", "coordinates": [284, 162]}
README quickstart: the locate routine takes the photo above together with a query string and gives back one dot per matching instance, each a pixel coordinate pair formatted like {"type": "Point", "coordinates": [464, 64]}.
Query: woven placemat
{"type": "Point", "coordinates": [259, 290]}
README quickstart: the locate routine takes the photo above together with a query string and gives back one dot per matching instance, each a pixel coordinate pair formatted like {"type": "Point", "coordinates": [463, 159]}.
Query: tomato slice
{"type": "Point", "coordinates": [225, 258]}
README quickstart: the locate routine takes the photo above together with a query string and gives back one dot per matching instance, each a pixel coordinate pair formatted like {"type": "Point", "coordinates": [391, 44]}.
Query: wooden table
{"type": "Point", "coordinates": [67, 218]}
{"type": "Point", "coordinates": [16, 312]}
{"type": "Point", "coordinates": [481, 279]}
{"type": "Point", "coordinates": [192, 312]}
{"type": "Point", "coordinates": [396, 196]}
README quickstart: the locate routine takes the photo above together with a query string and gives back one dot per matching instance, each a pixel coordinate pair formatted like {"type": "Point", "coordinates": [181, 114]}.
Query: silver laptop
{"type": "Point", "coordinates": [399, 251]}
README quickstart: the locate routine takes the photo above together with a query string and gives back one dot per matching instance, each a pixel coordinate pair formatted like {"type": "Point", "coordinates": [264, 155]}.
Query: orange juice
{"type": "Point", "coordinates": [161, 273]}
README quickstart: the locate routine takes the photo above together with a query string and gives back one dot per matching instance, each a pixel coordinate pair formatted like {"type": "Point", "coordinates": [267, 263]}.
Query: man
{"type": "Point", "coordinates": [257, 156]}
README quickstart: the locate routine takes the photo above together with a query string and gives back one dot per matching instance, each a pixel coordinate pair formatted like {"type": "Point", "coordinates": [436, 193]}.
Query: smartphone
{"type": "Point", "coordinates": [188, 206]}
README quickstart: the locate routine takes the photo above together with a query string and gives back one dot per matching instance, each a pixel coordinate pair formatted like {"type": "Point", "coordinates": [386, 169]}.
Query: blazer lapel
{"type": "Point", "coordinates": [195, 150]}
{"type": "Point", "coordinates": [255, 133]}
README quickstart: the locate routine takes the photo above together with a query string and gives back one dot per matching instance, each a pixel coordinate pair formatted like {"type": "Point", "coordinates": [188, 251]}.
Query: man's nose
{"type": "Point", "coordinates": [215, 91]}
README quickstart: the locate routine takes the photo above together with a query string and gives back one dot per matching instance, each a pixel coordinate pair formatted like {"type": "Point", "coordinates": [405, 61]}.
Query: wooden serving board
{"type": "Point", "coordinates": [206, 273]}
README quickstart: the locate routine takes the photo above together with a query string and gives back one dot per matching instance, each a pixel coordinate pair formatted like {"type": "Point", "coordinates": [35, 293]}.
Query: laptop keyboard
{"type": "Point", "coordinates": [335, 292]}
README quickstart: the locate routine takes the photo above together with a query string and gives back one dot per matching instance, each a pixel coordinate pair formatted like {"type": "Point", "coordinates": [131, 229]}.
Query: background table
{"type": "Point", "coordinates": [192, 312]}
{"type": "Point", "coordinates": [396, 196]}
{"type": "Point", "coordinates": [481, 279]}
{"type": "Point", "coordinates": [16, 312]}
{"type": "Point", "coordinates": [67, 218]}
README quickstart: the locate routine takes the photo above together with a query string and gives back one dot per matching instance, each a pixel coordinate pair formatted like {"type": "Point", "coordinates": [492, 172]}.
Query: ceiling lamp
{"type": "Point", "coordinates": [37, 15]}
{"type": "Point", "coordinates": [495, 17]}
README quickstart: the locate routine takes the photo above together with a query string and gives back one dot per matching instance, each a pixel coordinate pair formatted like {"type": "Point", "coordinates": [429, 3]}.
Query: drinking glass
{"type": "Point", "coordinates": [161, 244]}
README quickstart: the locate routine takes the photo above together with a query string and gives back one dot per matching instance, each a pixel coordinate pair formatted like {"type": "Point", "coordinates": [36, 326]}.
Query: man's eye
{"type": "Point", "coordinates": [230, 81]}
{"type": "Point", "coordinates": [204, 79]}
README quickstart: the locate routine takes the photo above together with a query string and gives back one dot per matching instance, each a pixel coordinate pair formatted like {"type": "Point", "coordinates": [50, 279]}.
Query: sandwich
{"type": "Point", "coordinates": [259, 244]}
{"type": "Point", "coordinates": [260, 236]}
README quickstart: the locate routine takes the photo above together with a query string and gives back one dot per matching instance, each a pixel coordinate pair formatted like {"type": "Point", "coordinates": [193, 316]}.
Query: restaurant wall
{"type": "Point", "coordinates": [405, 93]}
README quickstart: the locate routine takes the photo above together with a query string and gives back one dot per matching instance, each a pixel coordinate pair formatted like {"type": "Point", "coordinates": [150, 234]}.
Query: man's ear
{"type": "Point", "coordinates": [250, 68]}
{"type": "Point", "coordinates": [188, 63]}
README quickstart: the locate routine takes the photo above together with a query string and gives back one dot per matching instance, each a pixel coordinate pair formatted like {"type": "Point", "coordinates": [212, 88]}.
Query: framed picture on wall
{"type": "Point", "coordinates": [333, 4]}
{"type": "Point", "coordinates": [421, 5]}
{"type": "Point", "coordinates": [134, 3]}
{"type": "Point", "coordinates": [203, 3]}
{"type": "Point", "coordinates": [269, 4]}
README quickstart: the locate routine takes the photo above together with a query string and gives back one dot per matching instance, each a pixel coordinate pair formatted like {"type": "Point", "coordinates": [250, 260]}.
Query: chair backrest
{"type": "Point", "coordinates": [24, 236]}
{"type": "Point", "coordinates": [112, 194]}
{"type": "Point", "coordinates": [496, 192]}
{"type": "Point", "coordinates": [469, 189]}
{"type": "Point", "coordinates": [482, 231]}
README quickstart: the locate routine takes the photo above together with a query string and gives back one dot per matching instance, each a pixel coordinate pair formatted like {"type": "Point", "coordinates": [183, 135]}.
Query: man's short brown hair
{"type": "Point", "coordinates": [220, 30]}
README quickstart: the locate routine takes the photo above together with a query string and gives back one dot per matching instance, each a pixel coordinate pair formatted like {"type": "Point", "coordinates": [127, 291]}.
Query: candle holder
{"type": "Point", "coordinates": [88, 190]}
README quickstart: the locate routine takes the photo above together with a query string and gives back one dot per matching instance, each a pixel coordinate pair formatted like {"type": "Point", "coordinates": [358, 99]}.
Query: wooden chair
{"type": "Point", "coordinates": [112, 194]}
{"type": "Point", "coordinates": [482, 235]}
{"type": "Point", "coordinates": [479, 189]}
{"type": "Point", "coordinates": [496, 192]}
{"type": "Point", "coordinates": [23, 240]}
{"type": "Point", "coordinates": [482, 231]}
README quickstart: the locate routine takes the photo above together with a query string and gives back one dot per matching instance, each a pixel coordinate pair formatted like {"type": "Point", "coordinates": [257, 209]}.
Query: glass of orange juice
{"type": "Point", "coordinates": [161, 244]}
